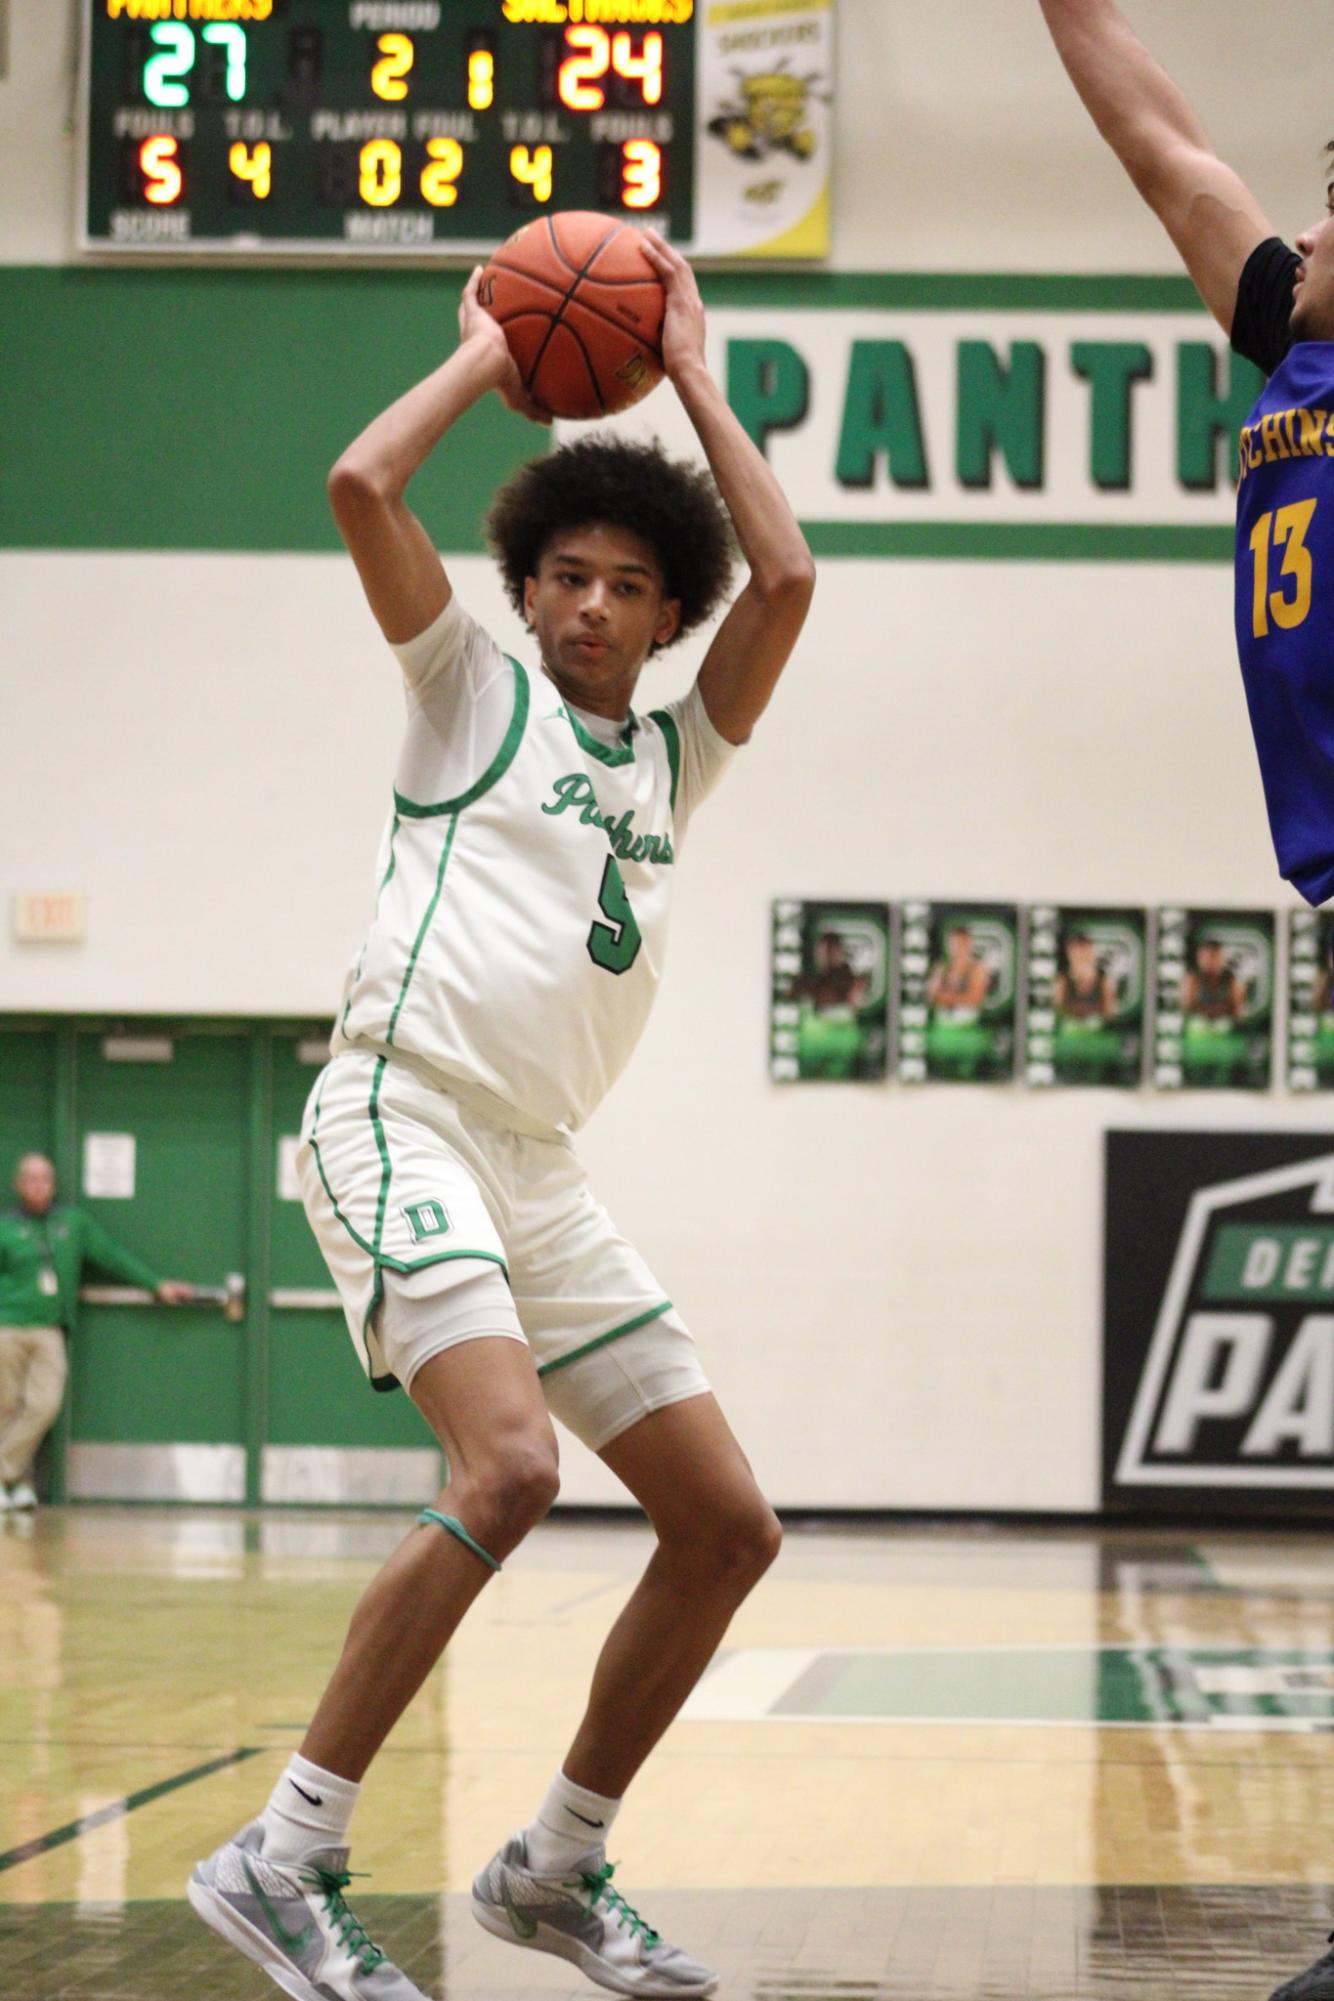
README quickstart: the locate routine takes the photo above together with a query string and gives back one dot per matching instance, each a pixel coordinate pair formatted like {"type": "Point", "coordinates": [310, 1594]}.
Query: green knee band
{"type": "Point", "coordinates": [454, 1527]}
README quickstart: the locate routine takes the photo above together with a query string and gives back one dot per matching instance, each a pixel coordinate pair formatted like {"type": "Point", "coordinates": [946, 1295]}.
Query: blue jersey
{"type": "Point", "coordinates": [1285, 608]}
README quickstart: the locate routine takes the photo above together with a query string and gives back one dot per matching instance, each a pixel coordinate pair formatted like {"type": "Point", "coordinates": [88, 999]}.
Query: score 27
{"type": "Point", "coordinates": [174, 57]}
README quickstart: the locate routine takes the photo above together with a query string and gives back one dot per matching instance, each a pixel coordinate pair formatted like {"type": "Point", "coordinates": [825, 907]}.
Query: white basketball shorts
{"type": "Point", "coordinates": [439, 1226]}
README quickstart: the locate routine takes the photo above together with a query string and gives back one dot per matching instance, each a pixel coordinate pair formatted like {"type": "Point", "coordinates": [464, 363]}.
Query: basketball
{"type": "Point", "coordinates": [582, 311]}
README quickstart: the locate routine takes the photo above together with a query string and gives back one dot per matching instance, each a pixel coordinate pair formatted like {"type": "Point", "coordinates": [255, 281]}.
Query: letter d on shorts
{"type": "Point", "coordinates": [426, 1219]}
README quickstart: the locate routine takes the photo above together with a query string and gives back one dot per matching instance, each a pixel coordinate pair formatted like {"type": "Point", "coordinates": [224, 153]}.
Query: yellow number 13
{"type": "Point", "coordinates": [1287, 527]}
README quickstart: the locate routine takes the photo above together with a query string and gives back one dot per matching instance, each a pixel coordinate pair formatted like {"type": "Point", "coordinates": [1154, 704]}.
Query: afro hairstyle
{"type": "Point", "coordinates": [672, 504]}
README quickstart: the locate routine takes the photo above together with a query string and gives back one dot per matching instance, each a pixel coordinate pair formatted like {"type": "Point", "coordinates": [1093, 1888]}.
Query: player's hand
{"type": "Point", "coordinates": [683, 323]}
{"type": "Point", "coordinates": [475, 323]}
{"type": "Point", "coordinates": [175, 1292]}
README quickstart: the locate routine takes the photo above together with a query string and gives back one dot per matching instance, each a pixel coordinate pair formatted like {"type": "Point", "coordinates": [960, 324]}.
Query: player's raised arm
{"type": "Point", "coordinates": [400, 571]}
{"type": "Point", "coordinates": [1209, 213]}
{"type": "Point", "coordinates": [752, 645]}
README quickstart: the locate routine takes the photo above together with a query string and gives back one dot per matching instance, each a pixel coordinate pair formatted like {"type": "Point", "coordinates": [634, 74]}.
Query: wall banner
{"type": "Point", "coordinates": [959, 992]}
{"type": "Point", "coordinates": [829, 991]}
{"type": "Point", "coordinates": [978, 418]}
{"type": "Point", "coordinates": [1218, 1323]}
{"type": "Point", "coordinates": [1214, 1027]}
{"type": "Point", "coordinates": [1310, 1002]}
{"type": "Point", "coordinates": [1087, 985]}
{"type": "Point", "coordinates": [764, 145]}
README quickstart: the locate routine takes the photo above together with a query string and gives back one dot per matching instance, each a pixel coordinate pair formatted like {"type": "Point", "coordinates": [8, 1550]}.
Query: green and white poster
{"type": "Point", "coordinates": [958, 992]}
{"type": "Point", "coordinates": [1214, 1028]}
{"type": "Point", "coordinates": [1310, 1002]}
{"type": "Point", "coordinates": [829, 992]}
{"type": "Point", "coordinates": [1087, 982]}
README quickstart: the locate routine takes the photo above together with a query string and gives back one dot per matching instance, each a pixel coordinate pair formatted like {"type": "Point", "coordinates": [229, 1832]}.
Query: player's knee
{"type": "Point", "coordinates": [736, 1547]}
{"type": "Point", "coordinates": [757, 1537]}
{"type": "Point", "coordinates": [521, 1482]}
{"type": "Point", "coordinates": [537, 1480]}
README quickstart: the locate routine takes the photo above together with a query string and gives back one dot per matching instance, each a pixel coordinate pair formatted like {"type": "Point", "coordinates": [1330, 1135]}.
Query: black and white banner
{"type": "Point", "coordinates": [1218, 1323]}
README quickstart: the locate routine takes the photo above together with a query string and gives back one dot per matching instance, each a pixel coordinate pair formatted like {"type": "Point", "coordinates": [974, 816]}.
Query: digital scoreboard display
{"type": "Point", "coordinates": [367, 127]}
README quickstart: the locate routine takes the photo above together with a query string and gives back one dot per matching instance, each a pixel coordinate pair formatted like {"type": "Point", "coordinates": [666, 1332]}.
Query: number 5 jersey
{"type": "Point", "coordinates": [525, 879]}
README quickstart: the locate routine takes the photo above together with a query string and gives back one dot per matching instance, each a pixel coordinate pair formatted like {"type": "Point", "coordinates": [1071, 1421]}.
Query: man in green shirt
{"type": "Point", "coordinates": [43, 1249]}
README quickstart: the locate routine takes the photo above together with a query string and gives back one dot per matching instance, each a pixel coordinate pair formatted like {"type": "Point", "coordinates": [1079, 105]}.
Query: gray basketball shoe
{"type": "Point", "coordinates": [1316, 1984]}
{"type": "Point", "coordinates": [579, 1916]}
{"type": "Point", "coordinates": [290, 1919]}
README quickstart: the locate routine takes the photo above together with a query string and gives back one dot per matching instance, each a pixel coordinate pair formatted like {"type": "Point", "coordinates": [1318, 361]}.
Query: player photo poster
{"type": "Point", "coordinates": [829, 992]}
{"type": "Point", "coordinates": [1214, 1027]}
{"type": "Point", "coordinates": [1310, 1003]}
{"type": "Point", "coordinates": [958, 992]}
{"type": "Point", "coordinates": [1086, 995]}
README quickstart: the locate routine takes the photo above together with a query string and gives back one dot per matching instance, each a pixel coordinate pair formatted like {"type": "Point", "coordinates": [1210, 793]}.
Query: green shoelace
{"type": "Point", "coordinates": [348, 1929]}
{"type": "Point", "coordinates": [598, 1884]}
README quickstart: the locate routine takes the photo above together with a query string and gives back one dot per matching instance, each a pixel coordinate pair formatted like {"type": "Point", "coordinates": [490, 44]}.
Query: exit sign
{"type": "Point", "coordinates": [50, 917]}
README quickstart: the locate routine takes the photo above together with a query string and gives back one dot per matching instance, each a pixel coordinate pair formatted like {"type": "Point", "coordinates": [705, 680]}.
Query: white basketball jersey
{"type": "Point", "coordinates": [521, 925]}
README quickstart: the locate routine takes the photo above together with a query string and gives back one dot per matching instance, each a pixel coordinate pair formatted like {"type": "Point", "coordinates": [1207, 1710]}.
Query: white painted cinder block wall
{"type": "Point", "coordinates": [897, 1293]}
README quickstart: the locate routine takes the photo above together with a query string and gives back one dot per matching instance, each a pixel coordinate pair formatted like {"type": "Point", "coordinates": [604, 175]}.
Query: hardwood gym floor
{"type": "Point", "coordinates": [944, 1763]}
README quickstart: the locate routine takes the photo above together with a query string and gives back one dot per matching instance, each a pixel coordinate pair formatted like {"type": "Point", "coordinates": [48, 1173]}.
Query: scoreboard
{"type": "Point", "coordinates": [372, 127]}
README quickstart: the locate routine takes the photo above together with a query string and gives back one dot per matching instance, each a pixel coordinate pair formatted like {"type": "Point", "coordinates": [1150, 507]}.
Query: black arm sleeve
{"type": "Point", "coordinates": [1264, 304]}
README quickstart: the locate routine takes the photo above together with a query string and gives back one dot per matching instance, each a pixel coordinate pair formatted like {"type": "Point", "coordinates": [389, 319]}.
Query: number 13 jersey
{"type": "Point", "coordinates": [525, 879]}
{"type": "Point", "coordinates": [1285, 607]}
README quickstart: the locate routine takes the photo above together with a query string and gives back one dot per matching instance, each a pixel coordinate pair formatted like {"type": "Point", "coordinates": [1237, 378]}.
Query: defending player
{"type": "Point", "coordinates": [1277, 306]}
{"type": "Point", "coordinates": [516, 946]}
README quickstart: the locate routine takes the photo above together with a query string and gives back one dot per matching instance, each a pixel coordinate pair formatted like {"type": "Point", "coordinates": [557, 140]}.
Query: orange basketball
{"type": "Point", "coordinates": [582, 311]}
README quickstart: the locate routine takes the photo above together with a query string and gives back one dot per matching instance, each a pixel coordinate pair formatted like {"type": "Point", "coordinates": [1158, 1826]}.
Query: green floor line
{"type": "Point", "coordinates": [71, 1831]}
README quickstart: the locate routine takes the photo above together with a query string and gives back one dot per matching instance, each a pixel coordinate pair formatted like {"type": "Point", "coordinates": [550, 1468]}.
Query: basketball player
{"type": "Point", "coordinates": [958, 983]}
{"type": "Point", "coordinates": [1277, 307]}
{"type": "Point", "coordinates": [1211, 988]}
{"type": "Point", "coordinates": [1083, 991]}
{"type": "Point", "coordinates": [515, 949]}
{"type": "Point", "coordinates": [833, 981]}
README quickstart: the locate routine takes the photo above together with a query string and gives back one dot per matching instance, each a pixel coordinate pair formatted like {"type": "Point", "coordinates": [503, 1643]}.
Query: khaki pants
{"type": "Point", "coordinates": [32, 1383]}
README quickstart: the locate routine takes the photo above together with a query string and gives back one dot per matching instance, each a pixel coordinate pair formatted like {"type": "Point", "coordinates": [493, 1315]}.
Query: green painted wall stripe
{"type": "Point", "coordinates": [202, 409]}
{"type": "Point", "coordinates": [966, 291]}
{"type": "Point", "coordinates": [71, 1831]}
{"type": "Point", "coordinates": [1045, 541]}
{"type": "Point", "coordinates": [259, 1259]}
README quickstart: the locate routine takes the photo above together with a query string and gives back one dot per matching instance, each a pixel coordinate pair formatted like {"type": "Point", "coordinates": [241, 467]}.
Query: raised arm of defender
{"type": "Point", "coordinates": [1209, 213]}
{"type": "Point", "coordinates": [753, 643]}
{"type": "Point", "coordinates": [401, 573]}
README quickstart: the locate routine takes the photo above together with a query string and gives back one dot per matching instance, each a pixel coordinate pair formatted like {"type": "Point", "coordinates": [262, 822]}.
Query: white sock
{"type": "Point", "coordinates": [308, 1809]}
{"type": "Point", "coordinates": [570, 1821]}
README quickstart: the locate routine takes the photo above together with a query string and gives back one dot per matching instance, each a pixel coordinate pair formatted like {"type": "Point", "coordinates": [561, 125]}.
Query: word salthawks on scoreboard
{"type": "Point", "coordinates": [371, 126]}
